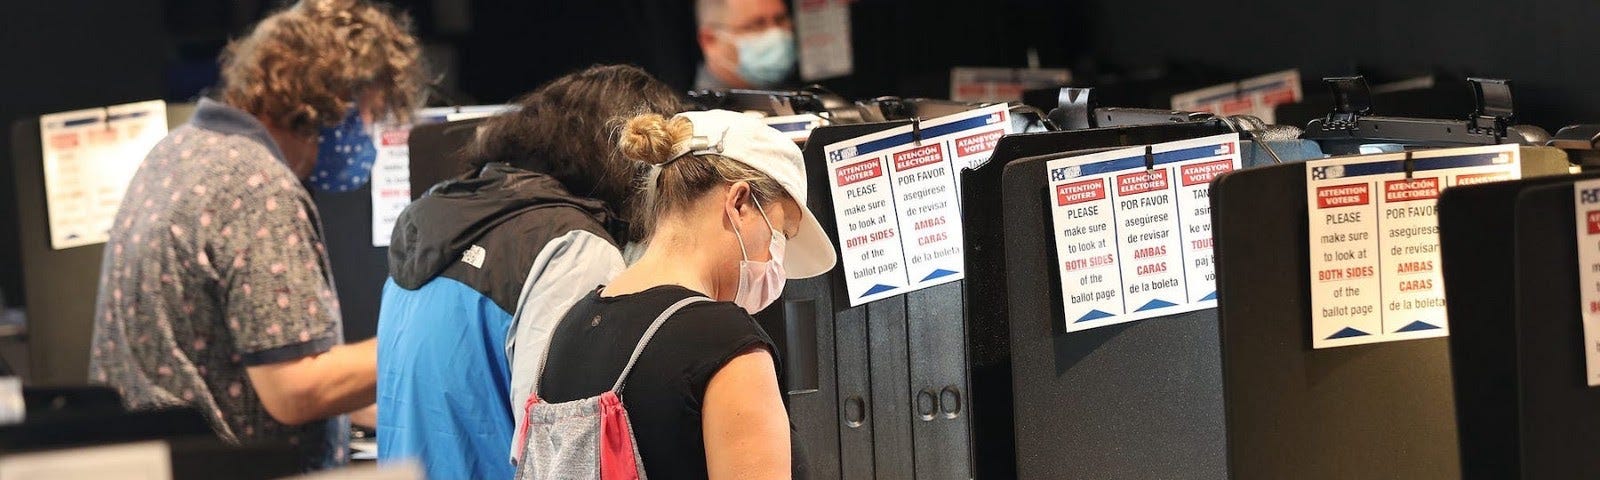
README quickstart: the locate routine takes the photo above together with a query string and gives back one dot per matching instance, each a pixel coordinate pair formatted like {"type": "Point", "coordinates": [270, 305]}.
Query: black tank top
{"type": "Point", "coordinates": [667, 386]}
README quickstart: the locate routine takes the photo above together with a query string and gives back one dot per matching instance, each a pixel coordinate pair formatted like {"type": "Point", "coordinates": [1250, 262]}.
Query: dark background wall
{"type": "Point", "coordinates": [67, 54]}
{"type": "Point", "coordinates": [1548, 47]}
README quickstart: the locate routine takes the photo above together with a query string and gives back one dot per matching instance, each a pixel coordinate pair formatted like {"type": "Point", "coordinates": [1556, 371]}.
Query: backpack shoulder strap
{"type": "Point", "coordinates": [651, 332]}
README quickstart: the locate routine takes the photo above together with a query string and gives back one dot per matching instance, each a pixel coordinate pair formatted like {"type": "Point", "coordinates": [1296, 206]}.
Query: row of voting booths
{"type": "Point", "coordinates": [1064, 289]}
{"type": "Point", "coordinates": [990, 376]}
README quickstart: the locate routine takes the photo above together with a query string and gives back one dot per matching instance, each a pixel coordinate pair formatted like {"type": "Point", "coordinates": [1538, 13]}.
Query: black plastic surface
{"type": "Point", "coordinates": [803, 329]}
{"type": "Point", "coordinates": [935, 333]}
{"type": "Point", "coordinates": [1137, 400]}
{"type": "Point", "coordinates": [61, 284]}
{"type": "Point", "coordinates": [359, 269]}
{"type": "Point", "coordinates": [1477, 232]}
{"type": "Point", "coordinates": [434, 152]}
{"type": "Point", "coordinates": [989, 352]}
{"type": "Point", "coordinates": [889, 353]}
{"type": "Point", "coordinates": [101, 427]}
{"type": "Point", "coordinates": [854, 416]}
{"type": "Point", "coordinates": [1560, 414]}
{"type": "Point", "coordinates": [1370, 411]}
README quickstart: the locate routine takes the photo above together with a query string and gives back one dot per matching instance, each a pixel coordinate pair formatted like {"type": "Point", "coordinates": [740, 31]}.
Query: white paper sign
{"type": "Point", "coordinates": [896, 204]}
{"type": "Point", "coordinates": [464, 112]}
{"type": "Point", "coordinates": [391, 181]}
{"type": "Point", "coordinates": [1374, 240]}
{"type": "Point", "coordinates": [89, 158]}
{"type": "Point", "coordinates": [133, 461]}
{"type": "Point", "coordinates": [980, 84]}
{"type": "Point", "coordinates": [1257, 96]}
{"type": "Point", "coordinates": [13, 406]}
{"type": "Point", "coordinates": [1133, 240]}
{"type": "Point", "coordinates": [1586, 195]}
{"type": "Point", "coordinates": [391, 172]}
{"type": "Point", "coordinates": [823, 29]}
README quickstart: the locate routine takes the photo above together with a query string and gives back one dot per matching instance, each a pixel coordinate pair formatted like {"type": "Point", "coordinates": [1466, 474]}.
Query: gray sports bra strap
{"type": "Point", "coordinates": [648, 334]}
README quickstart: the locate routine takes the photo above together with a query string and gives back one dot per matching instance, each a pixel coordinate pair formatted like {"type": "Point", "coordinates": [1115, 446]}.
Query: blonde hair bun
{"type": "Point", "coordinates": [653, 138]}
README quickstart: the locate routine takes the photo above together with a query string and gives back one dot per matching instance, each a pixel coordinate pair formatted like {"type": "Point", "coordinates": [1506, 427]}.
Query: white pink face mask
{"type": "Point", "coordinates": [760, 283]}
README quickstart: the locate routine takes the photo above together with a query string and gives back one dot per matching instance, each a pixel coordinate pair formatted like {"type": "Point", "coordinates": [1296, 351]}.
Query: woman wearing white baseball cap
{"type": "Point", "coordinates": [725, 211]}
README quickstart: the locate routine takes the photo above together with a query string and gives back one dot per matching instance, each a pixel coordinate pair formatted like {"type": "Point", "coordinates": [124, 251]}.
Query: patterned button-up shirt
{"type": "Point", "coordinates": [216, 263]}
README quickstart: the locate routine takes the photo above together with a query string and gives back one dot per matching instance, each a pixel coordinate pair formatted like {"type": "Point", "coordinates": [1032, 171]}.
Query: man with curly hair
{"type": "Point", "coordinates": [215, 290]}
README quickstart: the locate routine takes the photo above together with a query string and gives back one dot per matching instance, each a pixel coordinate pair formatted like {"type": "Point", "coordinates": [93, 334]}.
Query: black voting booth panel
{"type": "Point", "coordinates": [435, 149]}
{"type": "Point", "coordinates": [359, 269]}
{"type": "Point", "coordinates": [1560, 414]}
{"type": "Point", "coordinates": [1370, 411]}
{"type": "Point", "coordinates": [1139, 400]}
{"type": "Point", "coordinates": [195, 451]}
{"type": "Point", "coordinates": [61, 284]}
{"type": "Point", "coordinates": [102, 426]}
{"type": "Point", "coordinates": [1524, 412]}
{"type": "Point", "coordinates": [891, 399]}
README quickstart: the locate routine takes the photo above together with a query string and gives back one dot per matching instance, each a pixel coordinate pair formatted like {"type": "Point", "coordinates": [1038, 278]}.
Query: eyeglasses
{"type": "Point", "coordinates": [759, 25]}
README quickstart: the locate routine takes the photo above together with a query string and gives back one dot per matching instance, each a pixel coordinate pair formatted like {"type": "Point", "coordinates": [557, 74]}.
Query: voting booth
{"type": "Point", "coordinates": [1093, 292]}
{"type": "Point", "coordinates": [1520, 346]}
{"type": "Point", "coordinates": [888, 360]}
{"type": "Point", "coordinates": [1136, 413]}
{"type": "Point", "coordinates": [71, 169]}
{"type": "Point", "coordinates": [1336, 347]}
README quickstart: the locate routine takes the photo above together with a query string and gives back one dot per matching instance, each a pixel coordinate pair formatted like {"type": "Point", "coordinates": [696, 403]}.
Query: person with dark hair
{"type": "Point", "coordinates": [483, 266]}
{"type": "Point", "coordinates": [215, 290]}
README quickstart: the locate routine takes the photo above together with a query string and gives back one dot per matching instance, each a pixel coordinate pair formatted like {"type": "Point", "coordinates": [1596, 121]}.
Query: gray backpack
{"type": "Point", "coordinates": [588, 438]}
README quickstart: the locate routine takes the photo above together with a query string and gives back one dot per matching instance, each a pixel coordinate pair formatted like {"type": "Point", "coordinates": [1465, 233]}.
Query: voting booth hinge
{"type": "Point", "coordinates": [1410, 165]}
{"type": "Point", "coordinates": [1352, 98]}
{"type": "Point", "coordinates": [1149, 157]}
{"type": "Point", "coordinates": [916, 131]}
{"type": "Point", "coordinates": [1492, 108]}
{"type": "Point", "coordinates": [1074, 109]}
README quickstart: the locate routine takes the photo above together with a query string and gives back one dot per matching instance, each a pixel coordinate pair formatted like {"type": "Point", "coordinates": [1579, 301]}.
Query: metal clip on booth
{"type": "Point", "coordinates": [1386, 410]}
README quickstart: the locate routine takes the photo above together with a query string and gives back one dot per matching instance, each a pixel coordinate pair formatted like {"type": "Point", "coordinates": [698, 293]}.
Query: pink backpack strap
{"type": "Point", "coordinates": [618, 459]}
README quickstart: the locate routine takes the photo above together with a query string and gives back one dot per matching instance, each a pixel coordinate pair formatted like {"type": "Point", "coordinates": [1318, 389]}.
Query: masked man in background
{"type": "Point", "coordinates": [745, 44]}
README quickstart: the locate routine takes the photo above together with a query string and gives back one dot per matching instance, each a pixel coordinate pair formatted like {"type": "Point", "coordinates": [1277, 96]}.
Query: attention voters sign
{"type": "Point", "coordinates": [1133, 230]}
{"type": "Point", "coordinates": [1374, 240]}
{"type": "Point", "coordinates": [896, 204]}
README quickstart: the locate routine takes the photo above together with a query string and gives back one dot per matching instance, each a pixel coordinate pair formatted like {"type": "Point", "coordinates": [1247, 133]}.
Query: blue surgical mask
{"type": "Point", "coordinates": [345, 153]}
{"type": "Point", "coordinates": [766, 58]}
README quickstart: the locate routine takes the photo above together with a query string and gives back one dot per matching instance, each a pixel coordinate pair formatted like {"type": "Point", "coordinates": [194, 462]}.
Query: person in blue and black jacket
{"type": "Point", "coordinates": [483, 266]}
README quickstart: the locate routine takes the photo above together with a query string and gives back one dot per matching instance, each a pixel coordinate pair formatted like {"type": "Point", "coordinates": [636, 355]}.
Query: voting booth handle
{"type": "Point", "coordinates": [1074, 109]}
{"type": "Point", "coordinates": [1352, 98]}
{"type": "Point", "coordinates": [1492, 108]}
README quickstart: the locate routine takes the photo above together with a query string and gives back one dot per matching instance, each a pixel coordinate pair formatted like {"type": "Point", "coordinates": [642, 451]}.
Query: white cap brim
{"type": "Point", "coordinates": [809, 253]}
